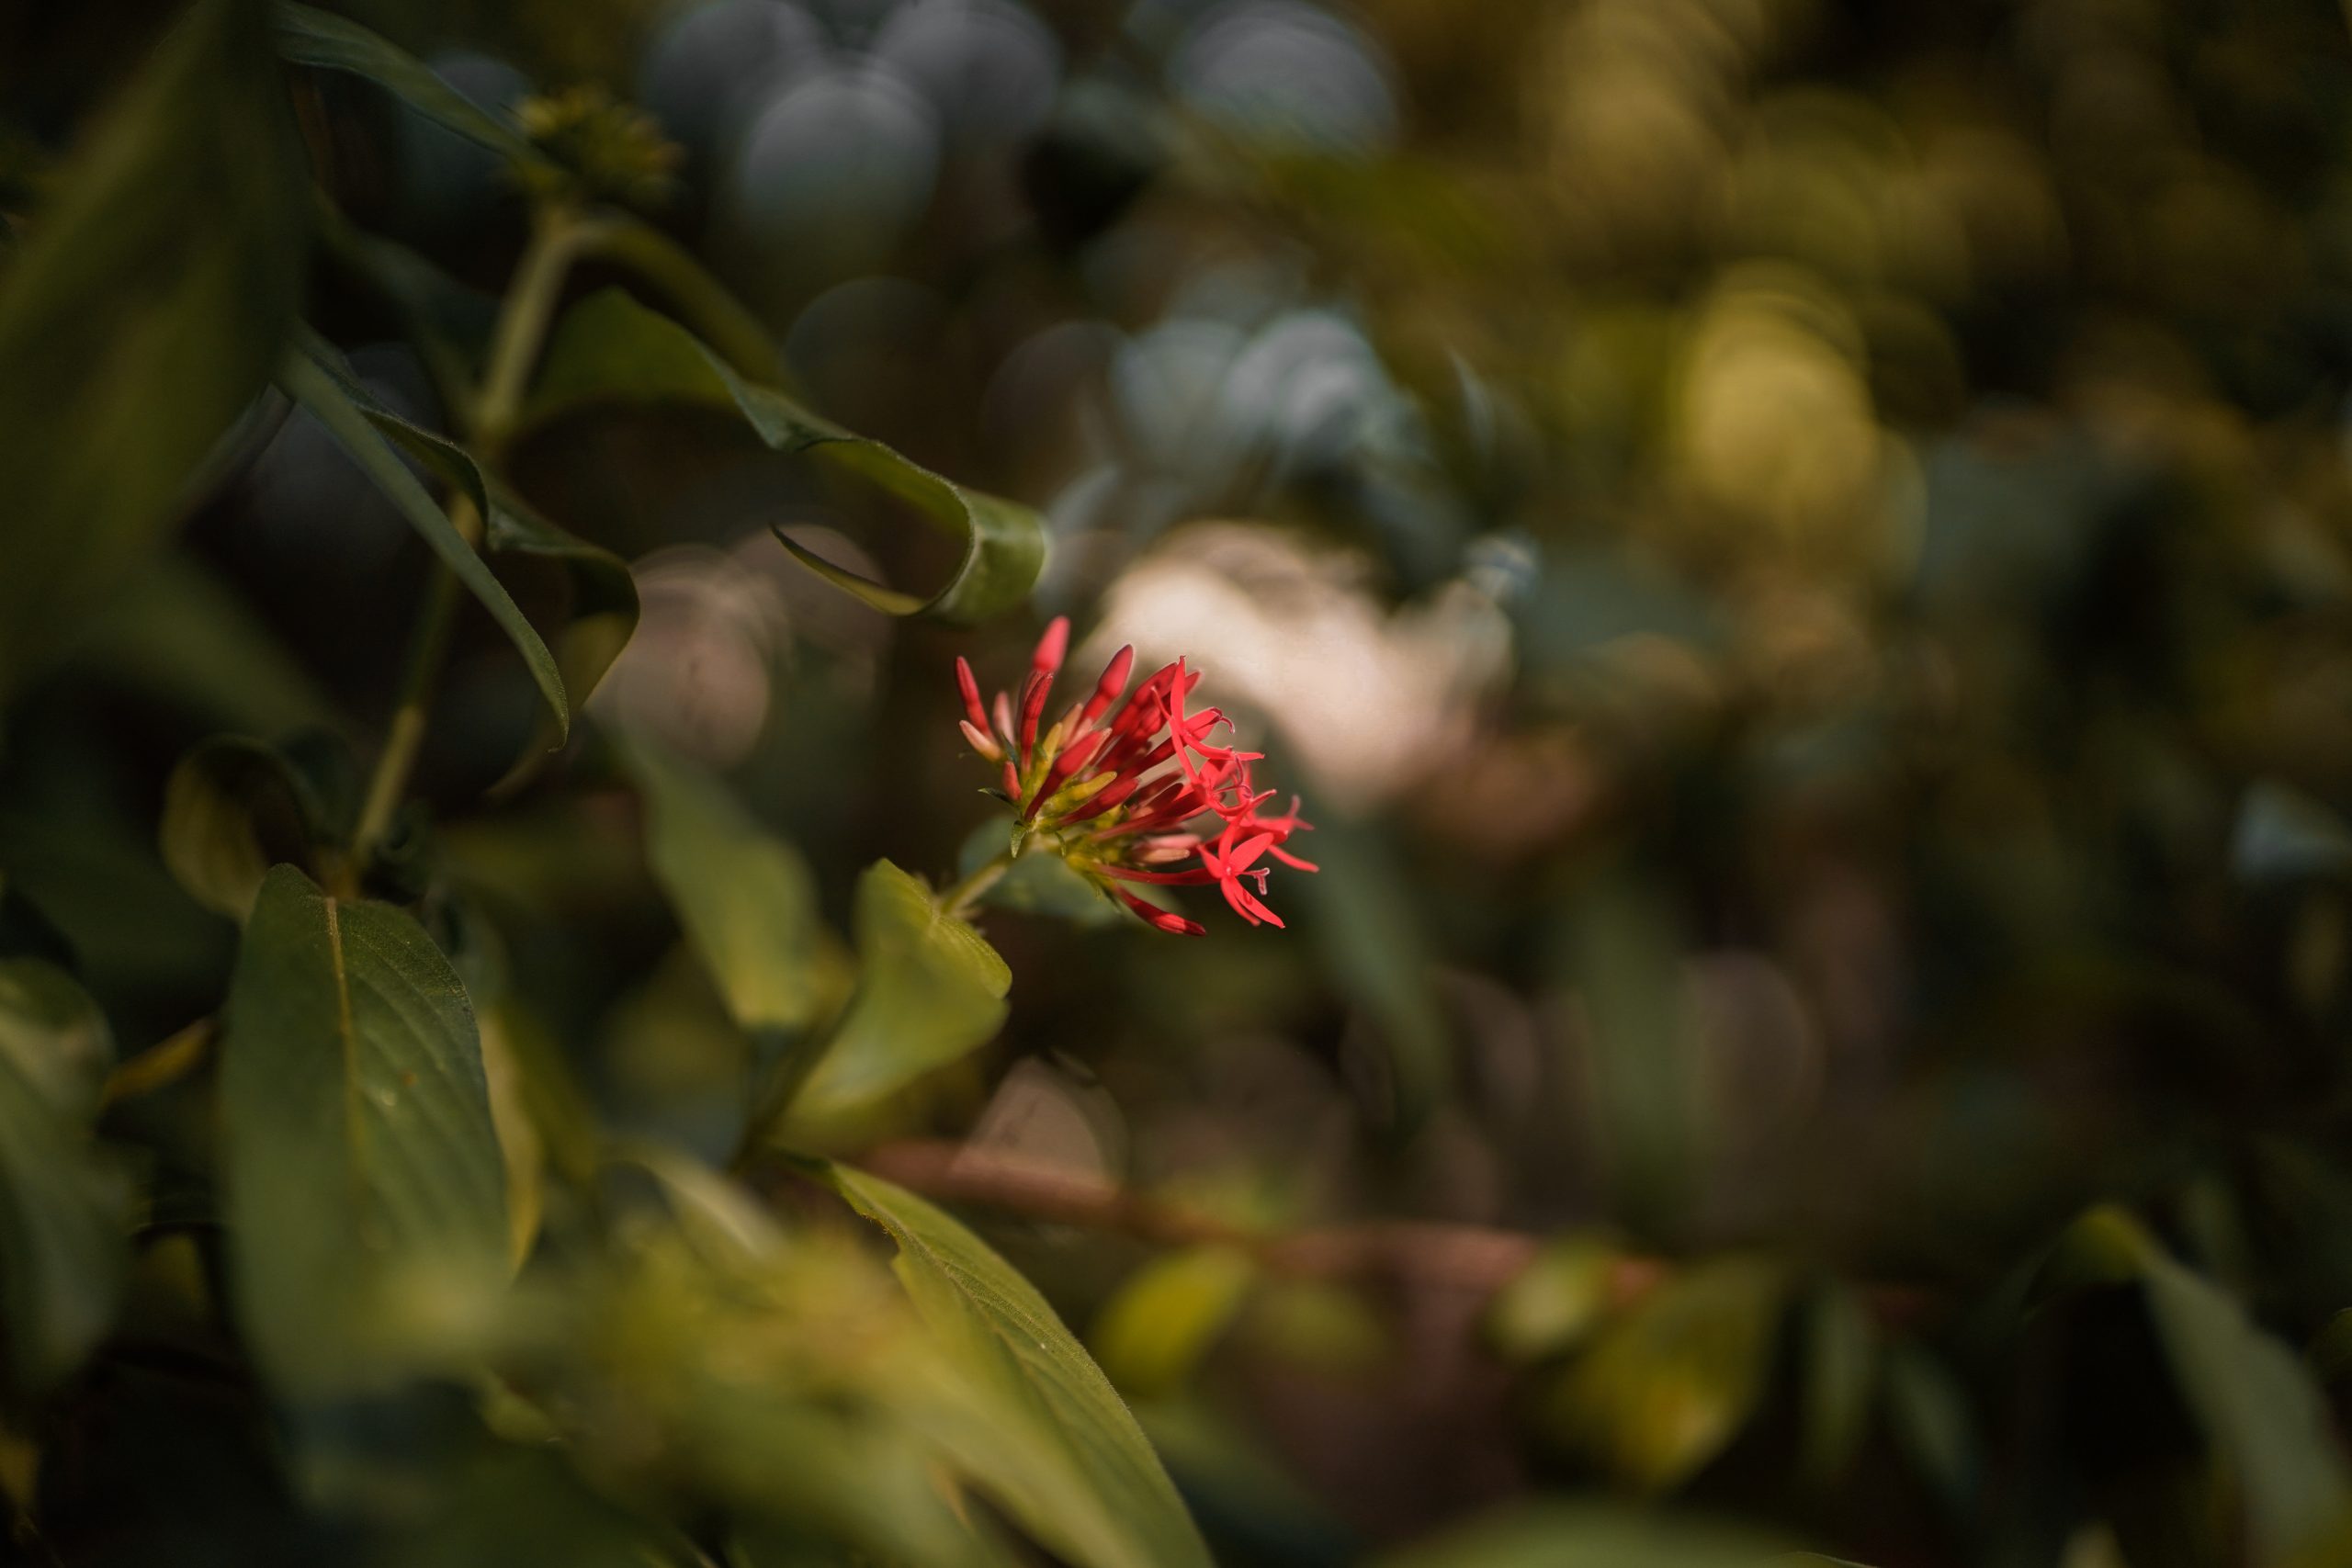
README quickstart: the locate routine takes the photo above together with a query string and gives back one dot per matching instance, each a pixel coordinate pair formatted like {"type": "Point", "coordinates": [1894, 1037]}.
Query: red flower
{"type": "Point", "coordinates": [1132, 791]}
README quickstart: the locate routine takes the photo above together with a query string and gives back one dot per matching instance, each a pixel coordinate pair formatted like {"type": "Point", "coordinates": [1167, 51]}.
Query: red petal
{"type": "Point", "coordinates": [970, 688]}
{"type": "Point", "coordinates": [1051, 646]}
{"type": "Point", "coordinates": [1159, 918]}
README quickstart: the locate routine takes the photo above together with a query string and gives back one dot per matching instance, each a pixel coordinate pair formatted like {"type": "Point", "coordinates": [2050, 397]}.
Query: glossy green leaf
{"type": "Point", "coordinates": [1667, 1384]}
{"type": "Point", "coordinates": [65, 1226]}
{"type": "Point", "coordinates": [744, 897]}
{"type": "Point", "coordinates": [314, 38]}
{"type": "Point", "coordinates": [141, 317]}
{"type": "Point", "coordinates": [929, 989]}
{"type": "Point", "coordinates": [233, 808]}
{"type": "Point", "coordinates": [1168, 1314]}
{"type": "Point", "coordinates": [365, 1191]}
{"type": "Point", "coordinates": [1058, 1449]}
{"type": "Point", "coordinates": [310, 384]}
{"type": "Point", "coordinates": [609, 349]}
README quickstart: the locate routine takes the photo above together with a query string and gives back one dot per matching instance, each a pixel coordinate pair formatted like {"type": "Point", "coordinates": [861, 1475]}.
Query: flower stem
{"type": "Point", "coordinates": [523, 318]}
{"type": "Point", "coordinates": [957, 901]}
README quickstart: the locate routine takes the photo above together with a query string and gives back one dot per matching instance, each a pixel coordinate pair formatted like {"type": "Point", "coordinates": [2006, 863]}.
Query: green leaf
{"type": "Point", "coordinates": [1034, 883]}
{"type": "Point", "coordinates": [233, 808]}
{"type": "Point", "coordinates": [603, 612]}
{"type": "Point", "coordinates": [1060, 1450]}
{"type": "Point", "coordinates": [312, 385]}
{"type": "Point", "coordinates": [1368, 924]}
{"type": "Point", "coordinates": [609, 348]}
{"type": "Point", "coordinates": [63, 1208]}
{"type": "Point", "coordinates": [141, 317]}
{"type": "Point", "coordinates": [310, 37]}
{"type": "Point", "coordinates": [1840, 1370]}
{"type": "Point", "coordinates": [365, 1191]}
{"type": "Point", "coordinates": [1570, 1535]}
{"type": "Point", "coordinates": [745, 898]}
{"type": "Point", "coordinates": [1168, 1314]}
{"type": "Point", "coordinates": [600, 618]}
{"type": "Point", "coordinates": [929, 989]}
{"type": "Point", "coordinates": [1556, 1300]}
{"type": "Point", "coordinates": [1667, 1385]}
{"type": "Point", "coordinates": [180, 632]}
{"type": "Point", "coordinates": [2258, 1404]}
{"type": "Point", "coordinates": [2253, 1395]}
{"type": "Point", "coordinates": [1928, 1414]}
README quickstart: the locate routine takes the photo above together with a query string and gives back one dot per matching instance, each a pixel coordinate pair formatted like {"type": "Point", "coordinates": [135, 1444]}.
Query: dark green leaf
{"type": "Point", "coordinates": [312, 385]}
{"type": "Point", "coordinates": [310, 37]}
{"type": "Point", "coordinates": [603, 611]}
{"type": "Point", "coordinates": [930, 988]}
{"type": "Point", "coordinates": [1841, 1368]}
{"type": "Point", "coordinates": [1059, 1449]}
{"type": "Point", "coordinates": [2258, 1404]}
{"type": "Point", "coordinates": [141, 317]}
{"type": "Point", "coordinates": [1570, 1535]}
{"type": "Point", "coordinates": [1928, 1414]}
{"type": "Point", "coordinates": [178, 631]}
{"type": "Point", "coordinates": [1035, 884]}
{"type": "Point", "coordinates": [609, 348]}
{"type": "Point", "coordinates": [365, 1192]}
{"type": "Point", "coordinates": [1666, 1386]}
{"type": "Point", "coordinates": [745, 898]}
{"type": "Point", "coordinates": [64, 1210]}
{"type": "Point", "coordinates": [233, 808]}
{"type": "Point", "coordinates": [1366, 921]}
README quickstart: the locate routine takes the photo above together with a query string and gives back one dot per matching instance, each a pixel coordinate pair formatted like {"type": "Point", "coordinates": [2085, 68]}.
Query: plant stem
{"type": "Point", "coordinates": [523, 318]}
{"type": "Point", "coordinates": [956, 901]}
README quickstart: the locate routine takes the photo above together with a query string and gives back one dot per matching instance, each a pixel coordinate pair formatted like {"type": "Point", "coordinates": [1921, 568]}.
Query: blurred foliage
{"type": "Point", "coordinates": [1798, 552]}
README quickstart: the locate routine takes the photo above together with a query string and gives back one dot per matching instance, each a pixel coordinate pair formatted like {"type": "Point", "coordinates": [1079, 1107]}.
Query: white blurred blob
{"type": "Point", "coordinates": [699, 672]}
{"type": "Point", "coordinates": [838, 162]}
{"type": "Point", "coordinates": [1289, 74]}
{"type": "Point", "coordinates": [989, 67]}
{"type": "Point", "coordinates": [705, 73]}
{"type": "Point", "coordinates": [1368, 701]}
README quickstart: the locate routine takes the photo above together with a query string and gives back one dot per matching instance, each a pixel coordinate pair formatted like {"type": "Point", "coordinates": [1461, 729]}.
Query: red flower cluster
{"type": "Point", "coordinates": [1116, 788]}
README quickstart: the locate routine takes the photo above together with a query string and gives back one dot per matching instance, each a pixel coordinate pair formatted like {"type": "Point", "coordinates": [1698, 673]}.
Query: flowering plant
{"type": "Point", "coordinates": [1129, 792]}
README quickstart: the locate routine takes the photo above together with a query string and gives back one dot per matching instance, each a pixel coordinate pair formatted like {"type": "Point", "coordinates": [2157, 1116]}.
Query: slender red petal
{"type": "Point", "coordinates": [970, 688]}
{"type": "Point", "coordinates": [1111, 795]}
{"type": "Point", "coordinates": [1159, 918]}
{"type": "Point", "coordinates": [1107, 689]}
{"type": "Point", "coordinates": [1048, 660]}
{"type": "Point", "coordinates": [1033, 706]}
